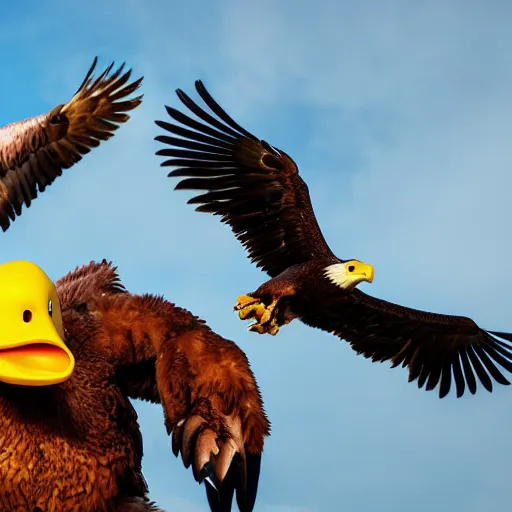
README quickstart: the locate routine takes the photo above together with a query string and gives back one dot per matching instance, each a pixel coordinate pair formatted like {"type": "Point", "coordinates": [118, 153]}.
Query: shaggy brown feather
{"type": "Point", "coordinates": [257, 191]}
{"type": "Point", "coordinates": [77, 446]}
{"type": "Point", "coordinates": [34, 152]}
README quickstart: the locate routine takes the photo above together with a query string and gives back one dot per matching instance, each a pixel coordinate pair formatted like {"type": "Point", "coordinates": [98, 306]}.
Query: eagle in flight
{"type": "Point", "coordinates": [256, 189]}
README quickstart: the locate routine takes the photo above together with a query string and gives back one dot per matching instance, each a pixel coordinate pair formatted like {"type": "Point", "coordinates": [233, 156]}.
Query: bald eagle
{"type": "Point", "coordinates": [34, 152]}
{"type": "Point", "coordinates": [256, 189]}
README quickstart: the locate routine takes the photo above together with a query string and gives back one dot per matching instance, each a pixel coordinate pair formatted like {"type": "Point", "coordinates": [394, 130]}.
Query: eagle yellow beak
{"type": "Point", "coordinates": [32, 348]}
{"type": "Point", "coordinates": [357, 271]}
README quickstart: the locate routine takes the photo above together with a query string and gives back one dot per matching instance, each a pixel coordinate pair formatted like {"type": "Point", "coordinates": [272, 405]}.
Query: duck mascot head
{"type": "Point", "coordinates": [32, 348]}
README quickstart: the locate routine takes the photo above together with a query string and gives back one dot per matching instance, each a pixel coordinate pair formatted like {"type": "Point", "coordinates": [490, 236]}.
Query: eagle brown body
{"type": "Point", "coordinates": [77, 446]}
{"type": "Point", "coordinates": [256, 189]}
{"type": "Point", "coordinates": [34, 152]}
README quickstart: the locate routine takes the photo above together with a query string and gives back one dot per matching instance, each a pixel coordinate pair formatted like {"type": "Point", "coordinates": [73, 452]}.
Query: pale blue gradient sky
{"type": "Point", "coordinates": [398, 114]}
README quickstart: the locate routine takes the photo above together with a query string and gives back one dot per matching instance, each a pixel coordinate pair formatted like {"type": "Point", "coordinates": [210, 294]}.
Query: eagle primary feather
{"type": "Point", "coordinates": [34, 152]}
{"type": "Point", "coordinates": [256, 189]}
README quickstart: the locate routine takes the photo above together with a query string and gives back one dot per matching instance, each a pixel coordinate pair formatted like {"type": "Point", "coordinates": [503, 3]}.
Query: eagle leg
{"type": "Point", "coordinates": [251, 307]}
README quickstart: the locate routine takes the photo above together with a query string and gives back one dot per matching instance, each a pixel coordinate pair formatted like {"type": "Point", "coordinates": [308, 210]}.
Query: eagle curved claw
{"type": "Point", "coordinates": [216, 450]}
{"type": "Point", "coordinates": [269, 328]}
{"type": "Point", "coordinates": [197, 442]}
{"type": "Point", "coordinates": [249, 307]}
{"type": "Point", "coordinates": [207, 475]}
{"type": "Point", "coordinates": [214, 413]}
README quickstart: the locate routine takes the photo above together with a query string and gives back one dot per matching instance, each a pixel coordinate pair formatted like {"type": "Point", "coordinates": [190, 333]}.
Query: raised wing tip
{"type": "Point", "coordinates": [137, 99]}
{"type": "Point", "coordinates": [183, 96]}
{"type": "Point", "coordinates": [88, 75]}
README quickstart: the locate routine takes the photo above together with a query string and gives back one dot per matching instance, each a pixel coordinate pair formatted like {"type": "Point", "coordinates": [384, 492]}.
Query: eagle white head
{"type": "Point", "coordinates": [349, 274]}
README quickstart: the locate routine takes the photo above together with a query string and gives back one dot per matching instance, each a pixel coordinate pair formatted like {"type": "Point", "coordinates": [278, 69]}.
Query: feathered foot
{"type": "Point", "coordinates": [251, 307]}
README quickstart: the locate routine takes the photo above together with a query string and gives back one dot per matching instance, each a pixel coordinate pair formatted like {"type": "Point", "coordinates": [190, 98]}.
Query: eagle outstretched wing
{"type": "Point", "coordinates": [34, 152]}
{"type": "Point", "coordinates": [255, 187]}
{"type": "Point", "coordinates": [437, 349]}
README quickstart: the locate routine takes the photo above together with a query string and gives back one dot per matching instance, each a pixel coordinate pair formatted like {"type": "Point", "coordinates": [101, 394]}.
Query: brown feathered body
{"type": "Point", "coordinates": [77, 446]}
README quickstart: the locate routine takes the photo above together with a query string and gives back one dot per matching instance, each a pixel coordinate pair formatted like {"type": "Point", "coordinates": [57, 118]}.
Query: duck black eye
{"type": "Point", "coordinates": [351, 268]}
{"type": "Point", "coordinates": [27, 316]}
{"type": "Point", "coordinates": [50, 308]}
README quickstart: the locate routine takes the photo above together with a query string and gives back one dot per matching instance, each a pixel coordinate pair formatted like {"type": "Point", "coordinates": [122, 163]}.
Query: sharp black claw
{"type": "Point", "coordinates": [207, 476]}
{"type": "Point", "coordinates": [209, 481]}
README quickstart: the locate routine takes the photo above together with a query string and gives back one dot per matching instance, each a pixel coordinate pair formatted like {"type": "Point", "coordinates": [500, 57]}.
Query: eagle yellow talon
{"type": "Point", "coordinates": [256, 328]}
{"type": "Point", "coordinates": [271, 328]}
{"type": "Point", "coordinates": [243, 301]}
{"type": "Point", "coordinates": [252, 310]}
{"type": "Point", "coordinates": [251, 307]}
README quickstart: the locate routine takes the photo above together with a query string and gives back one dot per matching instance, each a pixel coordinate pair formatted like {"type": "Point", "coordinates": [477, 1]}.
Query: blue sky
{"type": "Point", "coordinates": [398, 114]}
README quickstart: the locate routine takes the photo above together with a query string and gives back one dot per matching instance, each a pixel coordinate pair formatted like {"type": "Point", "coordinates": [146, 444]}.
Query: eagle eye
{"type": "Point", "coordinates": [50, 308]}
{"type": "Point", "coordinates": [351, 268]}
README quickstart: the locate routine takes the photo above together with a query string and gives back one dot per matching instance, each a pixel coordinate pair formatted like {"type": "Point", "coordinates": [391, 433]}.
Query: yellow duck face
{"type": "Point", "coordinates": [32, 348]}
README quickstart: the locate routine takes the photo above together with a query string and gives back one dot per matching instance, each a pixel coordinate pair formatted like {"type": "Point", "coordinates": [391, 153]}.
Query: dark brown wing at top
{"type": "Point", "coordinates": [34, 152]}
{"type": "Point", "coordinates": [437, 349]}
{"type": "Point", "coordinates": [254, 187]}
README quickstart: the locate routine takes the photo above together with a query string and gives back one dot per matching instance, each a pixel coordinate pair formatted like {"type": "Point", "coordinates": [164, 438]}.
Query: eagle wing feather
{"type": "Point", "coordinates": [437, 349]}
{"type": "Point", "coordinates": [253, 186]}
{"type": "Point", "coordinates": [34, 152]}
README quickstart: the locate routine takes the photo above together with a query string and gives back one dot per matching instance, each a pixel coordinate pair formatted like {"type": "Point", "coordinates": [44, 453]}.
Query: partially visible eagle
{"type": "Point", "coordinates": [35, 151]}
{"type": "Point", "coordinates": [257, 191]}
{"type": "Point", "coordinates": [76, 352]}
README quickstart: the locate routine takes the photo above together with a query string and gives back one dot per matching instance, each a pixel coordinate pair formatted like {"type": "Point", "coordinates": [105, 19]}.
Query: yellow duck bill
{"type": "Point", "coordinates": [32, 349]}
{"type": "Point", "coordinates": [36, 363]}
